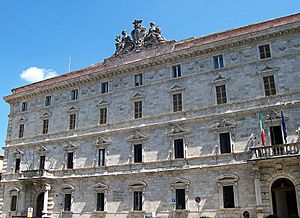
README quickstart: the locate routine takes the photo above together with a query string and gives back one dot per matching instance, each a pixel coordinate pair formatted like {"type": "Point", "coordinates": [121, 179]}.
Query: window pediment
{"type": "Point", "coordinates": [223, 125]}
{"type": "Point", "coordinates": [99, 187]}
{"type": "Point", "coordinates": [18, 153]}
{"type": "Point", "coordinates": [70, 146]}
{"type": "Point", "coordinates": [274, 117]}
{"type": "Point", "coordinates": [73, 109]}
{"type": "Point", "coordinates": [42, 150]}
{"type": "Point", "coordinates": [137, 96]}
{"type": "Point", "coordinates": [103, 103]}
{"type": "Point", "coordinates": [67, 188]}
{"type": "Point", "coordinates": [267, 70]}
{"type": "Point", "coordinates": [14, 191]}
{"type": "Point", "coordinates": [176, 88]}
{"type": "Point", "coordinates": [137, 136]}
{"type": "Point", "coordinates": [176, 130]}
{"type": "Point", "coordinates": [101, 141]}
{"type": "Point", "coordinates": [45, 115]}
{"type": "Point", "coordinates": [227, 179]}
{"type": "Point", "coordinates": [22, 120]}
{"type": "Point", "coordinates": [179, 182]}
{"type": "Point", "coordinates": [220, 79]}
{"type": "Point", "coordinates": [140, 185]}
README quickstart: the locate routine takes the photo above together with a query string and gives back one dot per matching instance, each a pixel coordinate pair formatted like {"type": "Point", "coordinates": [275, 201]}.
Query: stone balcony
{"type": "Point", "coordinates": [35, 174]}
{"type": "Point", "coordinates": [274, 151]}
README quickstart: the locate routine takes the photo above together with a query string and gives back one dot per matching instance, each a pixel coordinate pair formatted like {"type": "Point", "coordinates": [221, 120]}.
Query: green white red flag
{"type": "Point", "coordinates": [262, 130]}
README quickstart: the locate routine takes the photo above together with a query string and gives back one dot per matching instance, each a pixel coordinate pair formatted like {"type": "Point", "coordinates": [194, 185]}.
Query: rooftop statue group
{"type": "Point", "coordinates": [140, 38]}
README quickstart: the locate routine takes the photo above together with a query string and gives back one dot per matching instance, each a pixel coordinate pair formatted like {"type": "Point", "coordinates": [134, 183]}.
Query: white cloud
{"type": "Point", "coordinates": [35, 74]}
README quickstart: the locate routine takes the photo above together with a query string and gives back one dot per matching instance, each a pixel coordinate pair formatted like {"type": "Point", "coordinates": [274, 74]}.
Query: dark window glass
{"type": "Point", "coordinates": [100, 201]}
{"type": "Point", "coordinates": [101, 160]}
{"type": "Point", "coordinates": [221, 94]}
{"type": "Point", "coordinates": [45, 126]}
{"type": "Point", "coordinates": [13, 205]}
{"type": "Point", "coordinates": [17, 166]}
{"type": "Point", "coordinates": [228, 196]}
{"type": "Point", "coordinates": [103, 115]}
{"type": "Point", "coordinates": [176, 71]}
{"type": "Point", "coordinates": [180, 199]}
{"type": "Point", "coordinates": [138, 111]}
{"type": "Point", "coordinates": [70, 158]}
{"type": "Point", "coordinates": [68, 199]}
{"type": "Point", "coordinates": [24, 106]}
{"type": "Point", "coordinates": [72, 124]}
{"type": "Point", "coordinates": [138, 80]}
{"type": "Point", "coordinates": [138, 153]}
{"type": "Point", "coordinates": [218, 61]}
{"type": "Point", "coordinates": [177, 102]}
{"type": "Point", "coordinates": [225, 144]}
{"type": "Point", "coordinates": [276, 135]}
{"type": "Point", "coordinates": [48, 101]}
{"type": "Point", "coordinates": [269, 84]}
{"type": "Point", "coordinates": [21, 130]}
{"type": "Point", "coordinates": [74, 94]}
{"type": "Point", "coordinates": [42, 162]}
{"type": "Point", "coordinates": [104, 87]}
{"type": "Point", "coordinates": [264, 51]}
{"type": "Point", "coordinates": [137, 200]}
{"type": "Point", "coordinates": [178, 148]}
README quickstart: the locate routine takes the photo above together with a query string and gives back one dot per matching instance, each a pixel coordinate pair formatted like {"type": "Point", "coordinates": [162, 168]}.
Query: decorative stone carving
{"type": "Point", "coordinates": [137, 136]}
{"type": "Point", "coordinates": [138, 34]}
{"type": "Point", "coordinates": [223, 124]}
{"type": "Point", "coordinates": [298, 133]}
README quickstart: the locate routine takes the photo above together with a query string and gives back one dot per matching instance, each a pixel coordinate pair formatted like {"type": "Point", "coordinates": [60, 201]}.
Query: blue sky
{"type": "Point", "coordinates": [39, 36]}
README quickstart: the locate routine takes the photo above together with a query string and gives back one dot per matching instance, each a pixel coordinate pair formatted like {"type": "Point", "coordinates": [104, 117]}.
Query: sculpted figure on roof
{"type": "Point", "coordinates": [138, 34]}
{"type": "Point", "coordinates": [154, 36]}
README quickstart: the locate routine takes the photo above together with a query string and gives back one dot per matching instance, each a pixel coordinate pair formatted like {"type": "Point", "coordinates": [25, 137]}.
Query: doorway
{"type": "Point", "coordinates": [284, 198]}
{"type": "Point", "coordinates": [39, 205]}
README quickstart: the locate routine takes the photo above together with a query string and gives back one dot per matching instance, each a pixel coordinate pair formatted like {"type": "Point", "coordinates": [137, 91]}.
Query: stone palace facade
{"type": "Point", "coordinates": [160, 125]}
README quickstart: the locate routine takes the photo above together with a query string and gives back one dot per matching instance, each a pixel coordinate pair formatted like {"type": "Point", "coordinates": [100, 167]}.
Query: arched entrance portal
{"type": "Point", "coordinates": [40, 205]}
{"type": "Point", "coordinates": [284, 198]}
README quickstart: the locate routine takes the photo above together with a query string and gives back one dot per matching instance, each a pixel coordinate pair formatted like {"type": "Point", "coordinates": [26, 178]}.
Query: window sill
{"type": "Point", "coordinates": [182, 211]}
{"type": "Point", "coordinates": [137, 212]}
{"type": "Point", "coordinates": [230, 210]}
{"type": "Point", "coordinates": [67, 212]}
{"type": "Point", "coordinates": [100, 213]}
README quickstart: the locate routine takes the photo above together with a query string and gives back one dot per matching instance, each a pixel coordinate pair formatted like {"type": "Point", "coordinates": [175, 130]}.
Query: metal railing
{"type": "Point", "coordinates": [34, 173]}
{"type": "Point", "coordinates": [275, 150]}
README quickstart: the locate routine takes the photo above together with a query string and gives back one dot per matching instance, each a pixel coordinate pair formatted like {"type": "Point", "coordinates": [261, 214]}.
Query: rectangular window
{"type": "Point", "coordinates": [104, 87]}
{"type": "Point", "coordinates": [103, 115]}
{"type": "Point", "coordinates": [70, 159]}
{"type": "Point", "coordinates": [48, 100]}
{"type": "Point", "coordinates": [178, 148]}
{"type": "Point", "coordinates": [180, 199]}
{"type": "Point", "coordinates": [68, 202]}
{"type": "Point", "coordinates": [21, 130]}
{"type": "Point", "coordinates": [24, 106]}
{"type": "Point", "coordinates": [228, 196]}
{"type": "Point", "coordinates": [276, 135]}
{"type": "Point", "coordinates": [269, 85]}
{"type": "Point", "coordinates": [177, 102]}
{"type": "Point", "coordinates": [100, 201]}
{"type": "Point", "coordinates": [137, 200]}
{"type": "Point", "coordinates": [42, 162]}
{"type": "Point", "coordinates": [264, 51]}
{"type": "Point", "coordinates": [176, 71]}
{"type": "Point", "coordinates": [45, 126]}
{"type": "Point", "coordinates": [138, 79]}
{"type": "Point", "coordinates": [72, 124]}
{"type": "Point", "coordinates": [74, 94]}
{"type": "Point", "coordinates": [17, 166]}
{"type": "Point", "coordinates": [225, 145]}
{"type": "Point", "coordinates": [13, 205]}
{"type": "Point", "coordinates": [218, 61]}
{"type": "Point", "coordinates": [138, 110]}
{"type": "Point", "coordinates": [138, 149]}
{"type": "Point", "coordinates": [101, 160]}
{"type": "Point", "coordinates": [221, 94]}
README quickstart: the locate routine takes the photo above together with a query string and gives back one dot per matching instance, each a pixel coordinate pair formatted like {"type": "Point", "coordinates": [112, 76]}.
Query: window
{"type": "Point", "coordinates": [225, 145]}
{"type": "Point", "coordinates": [177, 102]}
{"type": "Point", "coordinates": [176, 71]}
{"type": "Point", "coordinates": [269, 85]}
{"type": "Point", "coordinates": [180, 199]}
{"type": "Point", "coordinates": [218, 61]}
{"type": "Point", "coordinates": [13, 205]}
{"type": "Point", "coordinates": [228, 196]}
{"type": "Point", "coordinates": [138, 109]}
{"type": "Point", "coordinates": [137, 200]}
{"type": "Point", "coordinates": [101, 160]}
{"type": "Point", "coordinates": [264, 51]}
{"type": "Point", "coordinates": [103, 115]}
{"type": "Point", "coordinates": [138, 79]}
{"type": "Point", "coordinates": [68, 202]}
{"type": "Point", "coordinates": [138, 150]}
{"type": "Point", "coordinates": [276, 135]}
{"type": "Point", "coordinates": [42, 162]}
{"type": "Point", "coordinates": [74, 94]}
{"type": "Point", "coordinates": [100, 201]}
{"type": "Point", "coordinates": [178, 148]}
{"type": "Point", "coordinates": [24, 106]}
{"type": "Point", "coordinates": [21, 130]}
{"type": "Point", "coordinates": [45, 126]}
{"type": "Point", "coordinates": [221, 94]}
{"type": "Point", "coordinates": [104, 87]}
{"type": "Point", "coordinates": [70, 159]}
{"type": "Point", "coordinates": [48, 101]}
{"type": "Point", "coordinates": [17, 165]}
{"type": "Point", "coordinates": [72, 124]}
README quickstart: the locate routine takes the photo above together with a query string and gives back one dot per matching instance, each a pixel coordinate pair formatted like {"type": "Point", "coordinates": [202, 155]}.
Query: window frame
{"type": "Point", "coordinates": [48, 99]}
{"type": "Point", "coordinates": [222, 94]}
{"type": "Point", "coordinates": [24, 106]}
{"type": "Point", "coordinates": [138, 109]}
{"type": "Point", "coordinates": [177, 103]}
{"type": "Point", "coordinates": [259, 52]}
{"type": "Point", "coordinates": [102, 158]}
{"type": "Point", "coordinates": [42, 163]}
{"type": "Point", "coordinates": [97, 189]}
{"type": "Point", "coordinates": [72, 121]}
{"type": "Point", "coordinates": [269, 86]}
{"type": "Point", "coordinates": [17, 164]}
{"type": "Point", "coordinates": [181, 183]}
{"type": "Point", "coordinates": [74, 94]}
{"type": "Point", "coordinates": [138, 80]}
{"type": "Point", "coordinates": [139, 187]}
{"type": "Point", "coordinates": [139, 158]}
{"type": "Point", "coordinates": [103, 115]}
{"type": "Point", "coordinates": [21, 130]}
{"type": "Point", "coordinates": [45, 129]}
{"type": "Point", "coordinates": [228, 180]}
{"type": "Point", "coordinates": [67, 189]}
{"type": "Point", "coordinates": [104, 86]}
{"type": "Point", "coordinates": [217, 57]}
{"type": "Point", "coordinates": [183, 148]}
{"type": "Point", "coordinates": [175, 72]}
{"type": "Point", "coordinates": [230, 144]}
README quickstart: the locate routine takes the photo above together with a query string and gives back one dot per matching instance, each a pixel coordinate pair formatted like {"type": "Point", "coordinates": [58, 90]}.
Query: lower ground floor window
{"type": "Point", "coordinates": [228, 196]}
{"type": "Point", "coordinates": [137, 200]}
{"type": "Point", "coordinates": [67, 206]}
{"type": "Point", "coordinates": [180, 199]}
{"type": "Point", "coordinates": [100, 201]}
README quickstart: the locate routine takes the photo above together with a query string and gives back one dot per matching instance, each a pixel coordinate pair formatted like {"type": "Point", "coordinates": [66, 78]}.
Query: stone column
{"type": "Point", "coordinates": [259, 208]}
{"type": "Point", "coordinates": [45, 205]}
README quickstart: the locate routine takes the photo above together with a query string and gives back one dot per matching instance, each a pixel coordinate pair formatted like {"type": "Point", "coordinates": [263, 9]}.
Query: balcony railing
{"type": "Point", "coordinates": [275, 151]}
{"type": "Point", "coordinates": [34, 174]}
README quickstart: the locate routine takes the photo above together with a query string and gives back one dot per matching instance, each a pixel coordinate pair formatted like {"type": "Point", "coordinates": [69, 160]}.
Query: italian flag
{"type": "Point", "coordinates": [262, 130]}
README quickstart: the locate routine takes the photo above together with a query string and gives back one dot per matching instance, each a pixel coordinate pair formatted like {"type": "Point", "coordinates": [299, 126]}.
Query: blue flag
{"type": "Point", "coordinates": [283, 126]}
